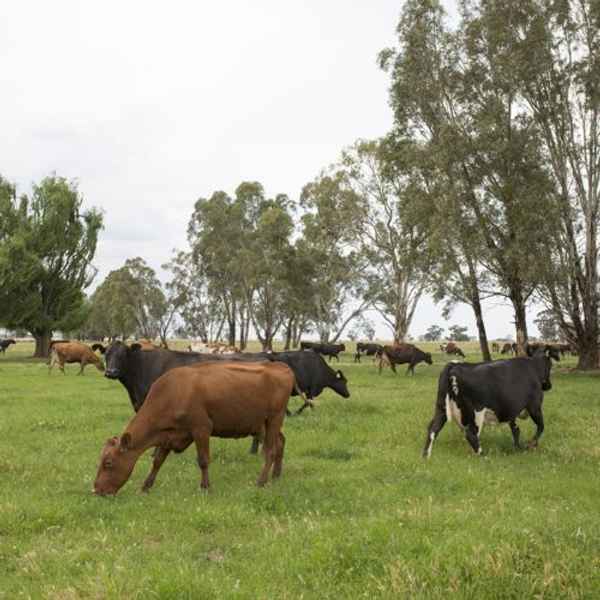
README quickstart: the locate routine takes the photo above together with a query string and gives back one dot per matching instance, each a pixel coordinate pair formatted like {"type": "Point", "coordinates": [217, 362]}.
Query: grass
{"type": "Point", "coordinates": [356, 514]}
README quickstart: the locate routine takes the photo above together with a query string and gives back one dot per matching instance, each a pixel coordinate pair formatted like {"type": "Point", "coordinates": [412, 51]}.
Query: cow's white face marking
{"type": "Point", "coordinates": [453, 412]}
{"type": "Point", "coordinates": [480, 420]}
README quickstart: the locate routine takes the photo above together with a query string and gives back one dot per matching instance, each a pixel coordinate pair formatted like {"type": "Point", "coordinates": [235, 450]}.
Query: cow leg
{"type": "Point", "coordinates": [472, 437]}
{"type": "Point", "coordinates": [516, 433]}
{"type": "Point", "coordinates": [272, 431]}
{"type": "Point", "coordinates": [81, 367]}
{"type": "Point", "coordinates": [202, 439]}
{"type": "Point", "coordinates": [538, 418]}
{"type": "Point", "coordinates": [256, 440]}
{"type": "Point", "coordinates": [279, 456]}
{"type": "Point", "coordinates": [159, 457]}
{"type": "Point", "coordinates": [357, 358]}
{"type": "Point", "coordinates": [411, 369]}
{"type": "Point", "coordinates": [435, 426]}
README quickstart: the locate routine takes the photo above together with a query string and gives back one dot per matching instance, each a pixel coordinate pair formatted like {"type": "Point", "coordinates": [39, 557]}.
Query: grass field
{"type": "Point", "coordinates": [357, 513]}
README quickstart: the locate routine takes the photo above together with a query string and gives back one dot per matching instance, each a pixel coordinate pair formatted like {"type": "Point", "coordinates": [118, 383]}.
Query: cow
{"type": "Point", "coordinates": [4, 344]}
{"type": "Point", "coordinates": [368, 349]}
{"type": "Point", "coordinates": [495, 347]}
{"type": "Point", "coordinates": [402, 354]}
{"type": "Point", "coordinates": [509, 348]}
{"type": "Point", "coordinates": [193, 404]}
{"type": "Point", "coordinates": [331, 350]}
{"type": "Point", "coordinates": [62, 352]}
{"type": "Point", "coordinates": [468, 392]}
{"type": "Point", "coordinates": [452, 348]}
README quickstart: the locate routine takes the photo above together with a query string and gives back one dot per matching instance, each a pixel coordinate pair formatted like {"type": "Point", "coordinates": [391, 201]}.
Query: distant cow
{"type": "Point", "coordinates": [452, 348]}
{"type": "Point", "coordinates": [495, 347]}
{"type": "Point", "coordinates": [509, 349]}
{"type": "Point", "coordinates": [4, 344]}
{"type": "Point", "coordinates": [402, 354]}
{"type": "Point", "coordinates": [504, 388]}
{"type": "Point", "coordinates": [331, 350]}
{"type": "Point", "coordinates": [193, 404]}
{"type": "Point", "coordinates": [72, 352]}
{"type": "Point", "coordinates": [368, 349]}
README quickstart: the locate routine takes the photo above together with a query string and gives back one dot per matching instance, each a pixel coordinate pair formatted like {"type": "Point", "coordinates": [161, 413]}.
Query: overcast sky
{"type": "Point", "coordinates": [150, 105]}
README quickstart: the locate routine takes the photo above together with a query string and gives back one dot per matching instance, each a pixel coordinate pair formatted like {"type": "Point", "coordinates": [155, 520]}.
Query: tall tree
{"type": "Point", "coordinates": [467, 110]}
{"type": "Point", "coordinates": [558, 50]}
{"type": "Point", "coordinates": [45, 259]}
{"type": "Point", "coordinates": [392, 226]}
{"type": "Point", "coordinates": [338, 288]}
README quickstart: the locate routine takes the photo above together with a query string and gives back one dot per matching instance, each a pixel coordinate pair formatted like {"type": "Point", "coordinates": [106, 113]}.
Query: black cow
{"type": "Point", "coordinates": [137, 370]}
{"type": "Point", "coordinates": [331, 350]}
{"type": "Point", "coordinates": [402, 354]}
{"type": "Point", "coordinates": [4, 344]}
{"type": "Point", "coordinates": [503, 389]}
{"type": "Point", "coordinates": [368, 349]}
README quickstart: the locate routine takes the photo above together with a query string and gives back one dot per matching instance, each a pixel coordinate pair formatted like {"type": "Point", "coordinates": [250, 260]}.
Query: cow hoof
{"type": "Point", "coordinates": [532, 445]}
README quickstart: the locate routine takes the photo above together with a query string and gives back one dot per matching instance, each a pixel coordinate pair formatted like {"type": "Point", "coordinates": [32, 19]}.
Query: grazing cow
{"type": "Point", "coordinates": [331, 350]}
{"type": "Point", "coordinates": [401, 354]}
{"type": "Point", "coordinates": [508, 349]}
{"type": "Point", "coordinates": [191, 404]}
{"type": "Point", "coordinates": [368, 349]}
{"type": "Point", "coordinates": [495, 347]}
{"type": "Point", "coordinates": [504, 388]}
{"type": "Point", "coordinates": [72, 352]}
{"type": "Point", "coordinates": [452, 348]}
{"type": "Point", "coordinates": [4, 344]}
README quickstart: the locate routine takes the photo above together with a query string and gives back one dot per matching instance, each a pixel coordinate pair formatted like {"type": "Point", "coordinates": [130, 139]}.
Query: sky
{"type": "Point", "coordinates": [151, 105]}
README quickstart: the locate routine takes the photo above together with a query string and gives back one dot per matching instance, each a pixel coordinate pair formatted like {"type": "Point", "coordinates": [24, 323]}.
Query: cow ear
{"type": "Point", "coordinates": [135, 347]}
{"type": "Point", "coordinates": [125, 442]}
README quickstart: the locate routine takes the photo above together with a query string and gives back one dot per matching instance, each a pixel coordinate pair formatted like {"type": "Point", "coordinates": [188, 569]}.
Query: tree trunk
{"type": "Point", "coordinates": [587, 350]}
{"type": "Point", "coordinates": [288, 334]}
{"type": "Point", "coordinates": [476, 306]}
{"type": "Point", "coordinates": [42, 343]}
{"type": "Point", "coordinates": [520, 325]}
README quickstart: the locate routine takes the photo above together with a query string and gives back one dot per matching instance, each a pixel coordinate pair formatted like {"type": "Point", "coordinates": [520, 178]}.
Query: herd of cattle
{"type": "Point", "coordinates": [215, 391]}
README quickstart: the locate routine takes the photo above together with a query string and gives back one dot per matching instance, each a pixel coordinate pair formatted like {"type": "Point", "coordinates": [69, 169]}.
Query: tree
{"type": "Point", "coordinates": [547, 325]}
{"type": "Point", "coordinates": [47, 244]}
{"type": "Point", "coordinates": [458, 333]}
{"type": "Point", "coordinates": [338, 287]}
{"type": "Point", "coordinates": [433, 333]}
{"type": "Point", "coordinates": [558, 47]}
{"type": "Point", "coordinates": [391, 225]}
{"type": "Point", "coordinates": [131, 301]}
{"type": "Point", "coordinates": [467, 113]}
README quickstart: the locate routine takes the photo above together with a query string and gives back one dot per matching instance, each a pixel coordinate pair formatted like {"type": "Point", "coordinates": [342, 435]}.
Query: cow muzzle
{"type": "Point", "coordinates": [111, 373]}
{"type": "Point", "coordinates": [546, 386]}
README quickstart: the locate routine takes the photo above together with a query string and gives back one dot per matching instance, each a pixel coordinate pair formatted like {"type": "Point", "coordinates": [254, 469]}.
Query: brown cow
{"type": "Point", "coordinates": [452, 348]}
{"type": "Point", "coordinates": [191, 404]}
{"type": "Point", "coordinates": [72, 352]}
{"type": "Point", "coordinates": [509, 349]}
{"type": "Point", "coordinates": [399, 354]}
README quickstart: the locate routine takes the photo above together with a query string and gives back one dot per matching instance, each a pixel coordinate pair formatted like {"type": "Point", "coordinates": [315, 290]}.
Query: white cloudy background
{"type": "Point", "coordinates": [150, 105]}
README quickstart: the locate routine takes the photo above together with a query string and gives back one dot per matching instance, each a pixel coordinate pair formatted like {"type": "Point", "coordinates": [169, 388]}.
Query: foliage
{"type": "Point", "coordinates": [47, 244]}
{"type": "Point", "coordinates": [458, 333]}
{"type": "Point", "coordinates": [434, 333]}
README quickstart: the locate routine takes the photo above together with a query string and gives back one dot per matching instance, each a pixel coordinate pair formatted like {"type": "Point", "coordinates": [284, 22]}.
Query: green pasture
{"type": "Point", "coordinates": [357, 513]}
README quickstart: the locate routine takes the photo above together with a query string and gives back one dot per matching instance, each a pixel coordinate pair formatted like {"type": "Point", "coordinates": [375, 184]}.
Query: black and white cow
{"type": "Point", "coordinates": [472, 393]}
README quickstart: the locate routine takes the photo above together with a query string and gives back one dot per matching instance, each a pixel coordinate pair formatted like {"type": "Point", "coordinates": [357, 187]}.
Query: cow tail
{"type": "Point", "coordinates": [448, 386]}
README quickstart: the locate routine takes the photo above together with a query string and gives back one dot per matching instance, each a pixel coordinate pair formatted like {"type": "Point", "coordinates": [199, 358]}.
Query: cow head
{"type": "Point", "coordinates": [116, 464]}
{"type": "Point", "coordinates": [427, 358]}
{"type": "Point", "coordinates": [340, 384]}
{"type": "Point", "coordinates": [117, 357]}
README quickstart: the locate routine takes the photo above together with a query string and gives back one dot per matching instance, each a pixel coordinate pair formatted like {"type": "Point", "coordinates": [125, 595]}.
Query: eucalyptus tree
{"type": "Point", "coordinates": [391, 226]}
{"type": "Point", "coordinates": [202, 314]}
{"type": "Point", "coordinates": [558, 47]}
{"type": "Point", "coordinates": [47, 244]}
{"type": "Point", "coordinates": [468, 112]}
{"type": "Point", "coordinates": [339, 285]}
